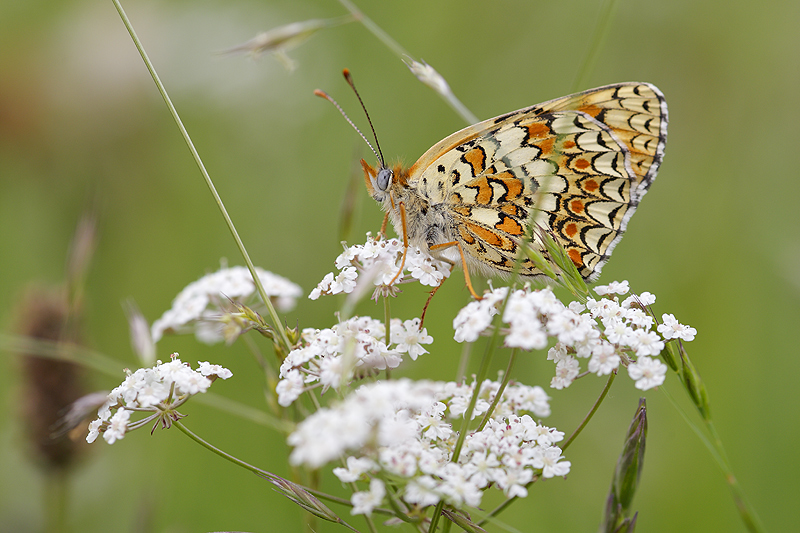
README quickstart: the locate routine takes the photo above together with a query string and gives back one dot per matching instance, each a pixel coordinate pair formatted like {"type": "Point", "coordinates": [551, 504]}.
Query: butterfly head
{"type": "Point", "coordinates": [382, 180]}
{"type": "Point", "coordinates": [378, 181]}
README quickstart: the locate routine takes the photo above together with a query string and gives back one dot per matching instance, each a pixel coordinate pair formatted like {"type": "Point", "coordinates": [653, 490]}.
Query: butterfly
{"type": "Point", "coordinates": [576, 166]}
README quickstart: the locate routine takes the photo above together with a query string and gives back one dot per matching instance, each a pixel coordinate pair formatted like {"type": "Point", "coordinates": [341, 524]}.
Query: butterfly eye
{"type": "Point", "coordinates": [383, 178]}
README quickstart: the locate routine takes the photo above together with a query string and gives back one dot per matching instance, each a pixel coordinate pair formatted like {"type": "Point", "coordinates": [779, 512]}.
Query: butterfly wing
{"type": "Point", "coordinates": [578, 165]}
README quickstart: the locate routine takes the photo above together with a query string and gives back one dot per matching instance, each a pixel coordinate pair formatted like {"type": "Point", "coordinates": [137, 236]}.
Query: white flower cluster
{"type": "Point", "coordinates": [605, 331]}
{"type": "Point", "coordinates": [201, 303]}
{"type": "Point", "coordinates": [331, 356]}
{"type": "Point", "coordinates": [403, 430]}
{"type": "Point", "coordinates": [159, 390]}
{"type": "Point", "coordinates": [379, 261]}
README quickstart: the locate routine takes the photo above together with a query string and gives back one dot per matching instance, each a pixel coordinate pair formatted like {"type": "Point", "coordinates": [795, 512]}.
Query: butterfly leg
{"type": "Point", "coordinates": [430, 297]}
{"type": "Point", "coordinates": [382, 234]}
{"type": "Point", "coordinates": [463, 264]}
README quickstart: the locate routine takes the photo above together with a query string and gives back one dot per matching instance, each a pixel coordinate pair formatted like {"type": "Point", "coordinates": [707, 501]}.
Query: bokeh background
{"type": "Point", "coordinates": [82, 128]}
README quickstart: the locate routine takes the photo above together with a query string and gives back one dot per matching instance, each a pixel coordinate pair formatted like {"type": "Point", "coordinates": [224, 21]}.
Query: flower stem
{"type": "Point", "coordinates": [717, 450]}
{"type": "Point", "coordinates": [276, 322]}
{"type": "Point", "coordinates": [499, 393]}
{"type": "Point", "coordinates": [591, 412]}
{"type": "Point", "coordinates": [219, 452]}
{"type": "Point", "coordinates": [387, 317]}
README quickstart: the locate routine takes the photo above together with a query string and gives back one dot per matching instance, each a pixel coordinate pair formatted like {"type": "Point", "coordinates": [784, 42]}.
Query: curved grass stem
{"type": "Point", "coordinates": [276, 322]}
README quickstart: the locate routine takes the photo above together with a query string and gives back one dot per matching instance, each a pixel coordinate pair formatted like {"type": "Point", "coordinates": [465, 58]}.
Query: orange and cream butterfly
{"type": "Point", "coordinates": [577, 166]}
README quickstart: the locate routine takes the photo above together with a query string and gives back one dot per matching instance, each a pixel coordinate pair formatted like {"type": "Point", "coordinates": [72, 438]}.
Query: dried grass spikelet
{"type": "Point", "coordinates": [49, 385]}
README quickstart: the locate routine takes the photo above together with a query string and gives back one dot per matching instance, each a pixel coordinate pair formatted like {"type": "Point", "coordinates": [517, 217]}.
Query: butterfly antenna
{"type": "Point", "coordinates": [349, 79]}
{"type": "Point", "coordinates": [326, 96]}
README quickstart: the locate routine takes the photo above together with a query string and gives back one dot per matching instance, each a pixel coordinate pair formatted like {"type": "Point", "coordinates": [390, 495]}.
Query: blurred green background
{"type": "Point", "coordinates": [716, 239]}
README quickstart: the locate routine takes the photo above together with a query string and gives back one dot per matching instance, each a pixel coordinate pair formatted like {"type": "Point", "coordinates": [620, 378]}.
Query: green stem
{"type": "Point", "coordinates": [376, 30]}
{"type": "Point", "coordinates": [591, 412]}
{"type": "Point", "coordinates": [387, 317]}
{"type": "Point", "coordinates": [57, 500]}
{"type": "Point", "coordinates": [463, 362]}
{"type": "Point", "coordinates": [481, 375]}
{"type": "Point", "coordinates": [499, 394]}
{"type": "Point", "coordinates": [276, 322]}
{"type": "Point", "coordinates": [717, 451]}
{"type": "Point", "coordinates": [219, 452]}
{"type": "Point", "coordinates": [746, 511]}
{"type": "Point", "coordinates": [283, 485]}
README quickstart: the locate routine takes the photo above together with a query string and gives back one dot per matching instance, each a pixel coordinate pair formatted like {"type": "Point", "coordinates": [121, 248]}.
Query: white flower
{"type": "Point", "coordinates": [365, 502]}
{"type": "Point", "coordinates": [405, 430]}
{"type": "Point", "coordinates": [290, 388]}
{"type": "Point", "coordinates": [158, 390]}
{"type": "Point", "coordinates": [409, 338]}
{"type": "Point", "coordinates": [557, 353]}
{"type": "Point", "coordinates": [545, 301]}
{"type": "Point", "coordinates": [549, 460]}
{"type": "Point", "coordinates": [191, 383]}
{"type": "Point", "coordinates": [483, 468]}
{"type": "Point", "coordinates": [356, 467]}
{"type": "Point", "coordinates": [345, 281]}
{"type": "Point", "coordinates": [94, 430]}
{"type": "Point", "coordinates": [647, 298]}
{"type": "Point", "coordinates": [617, 331]}
{"type": "Point", "coordinates": [604, 309]}
{"type": "Point", "coordinates": [323, 287]}
{"type": "Point", "coordinates": [543, 435]}
{"type": "Point", "coordinates": [327, 433]}
{"type": "Point", "coordinates": [298, 357]}
{"type": "Point", "coordinates": [431, 422]}
{"type": "Point", "coordinates": [646, 342]}
{"type": "Point", "coordinates": [470, 322]}
{"type": "Point", "coordinates": [151, 391]}
{"type": "Point", "coordinates": [421, 490]}
{"type": "Point", "coordinates": [526, 398]}
{"type": "Point", "coordinates": [118, 425]}
{"type": "Point", "coordinates": [331, 371]}
{"type": "Point", "coordinates": [568, 326]}
{"type": "Point", "coordinates": [640, 300]}
{"type": "Point", "coordinates": [513, 482]}
{"type": "Point", "coordinates": [615, 287]}
{"type": "Point", "coordinates": [346, 258]}
{"type": "Point", "coordinates": [566, 371]}
{"type": "Point", "coordinates": [527, 334]}
{"type": "Point", "coordinates": [672, 329]}
{"type": "Point", "coordinates": [379, 262]}
{"type": "Point", "coordinates": [398, 427]}
{"type": "Point", "coordinates": [331, 356]}
{"type": "Point", "coordinates": [192, 303]}
{"type": "Point", "coordinates": [638, 317]}
{"type": "Point", "coordinates": [648, 373]}
{"type": "Point", "coordinates": [520, 308]}
{"type": "Point", "coordinates": [604, 359]}
{"type": "Point", "coordinates": [456, 487]}
{"type": "Point", "coordinates": [207, 369]}
{"type": "Point", "coordinates": [426, 269]}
